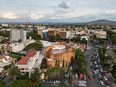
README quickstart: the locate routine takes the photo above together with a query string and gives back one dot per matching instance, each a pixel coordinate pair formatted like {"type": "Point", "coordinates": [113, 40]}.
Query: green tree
{"type": "Point", "coordinates": [35, 36]}
{"type": "Point", "coordinates": [57, 37]}
{"type": "Point", "coordinates": [3, 84]}
{"type": "Point", "coordinates": [36, 75]}
{"type": "Point", "coordinates": [114, 50]}
{"type": "Point", "coordinates": [18, 57]}
{"type": "Point", "coordinates": [69, 71]}
{"type": "Point", "coordinates": [114, 71]}
{"type": "Point", "coordinates": [33, 46]}
{"type": "Point", "coordinates": [26, 83]}
{"type": "Point", "coordinates": [52, 38]}
{"type": "Point", "coordinates": [63, 62]}
{"type": "Point", "coordinates": [84, 41]}
{"type": "Point", "coordinates": [14, 72]}
{"type": "Point", "coordinates": [63, 85]}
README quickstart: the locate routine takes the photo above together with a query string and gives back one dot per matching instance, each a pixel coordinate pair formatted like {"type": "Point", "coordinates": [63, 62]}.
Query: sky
{"type": "Point", "coordinates": [57, 10]}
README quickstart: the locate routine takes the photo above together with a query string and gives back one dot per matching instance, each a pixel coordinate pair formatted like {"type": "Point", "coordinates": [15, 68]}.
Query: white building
{"type": "Point", "coordinates": [85, 37]}
{"type": "Point", "coordinates": [4, 25]}
{"type": "Point", "coordinates": [26, 63]}
{"type": "Point", "coordinates": [20, 46]}
{"type": "Point", "coordinates": [16, 34]}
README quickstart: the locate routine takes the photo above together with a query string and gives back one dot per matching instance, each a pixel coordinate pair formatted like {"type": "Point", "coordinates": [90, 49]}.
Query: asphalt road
{"type": "Point", "coordinates": [93, 82]}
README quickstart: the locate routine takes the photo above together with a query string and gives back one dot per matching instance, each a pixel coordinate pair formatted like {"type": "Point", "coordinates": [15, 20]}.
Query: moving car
{"type": "Point", "coordinates": [90, 77]}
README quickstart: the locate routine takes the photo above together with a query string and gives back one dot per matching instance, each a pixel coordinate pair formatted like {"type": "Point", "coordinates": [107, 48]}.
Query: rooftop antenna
{"type": "Point", "coordinates": [29, 18]}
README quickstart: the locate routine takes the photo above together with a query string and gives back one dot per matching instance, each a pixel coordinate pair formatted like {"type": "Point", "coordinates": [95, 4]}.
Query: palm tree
{"type": "Point", "coordinates": [69, 71]}
{"type": "Point", "coordinates": [48, 74]}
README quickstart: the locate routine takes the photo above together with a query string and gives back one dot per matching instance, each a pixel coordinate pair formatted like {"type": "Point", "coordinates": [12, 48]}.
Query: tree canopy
{"type": "Point", "coordinates": [26, 83]}
{"type": "Point", "coordinates": [3, 84]}
{"type": "Point", "coordinates": [34, 36]}
{"type": "Point", "coordinates": [14, 72]}
{"type": "Point", "coordinates": [33, 46]}
{"type": "Point", "coordinates": [36, 75]}
{"type": "Point", "coordinates": [52, 38]}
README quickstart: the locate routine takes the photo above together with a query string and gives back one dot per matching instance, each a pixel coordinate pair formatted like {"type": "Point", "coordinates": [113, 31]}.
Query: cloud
{"type": "Point", "coordinates": [10, 16]}
{"type": "Point", "coordinates": [63, 5]}
{"type": "Point", "coordinates": [58, 18]}
{"type": "Point", "coordinates": [35, 16]}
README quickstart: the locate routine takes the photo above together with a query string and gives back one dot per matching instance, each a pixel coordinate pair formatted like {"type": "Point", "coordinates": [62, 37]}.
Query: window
{"type": "Point", "coordinates": [22, 68]}
{"type": "Point", "coordinates": [27, 73]}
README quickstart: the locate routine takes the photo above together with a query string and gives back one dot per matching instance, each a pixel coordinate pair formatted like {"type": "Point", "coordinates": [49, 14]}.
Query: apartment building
{"type": "Point", "coordinates": [16, 34]}
{"type": "Point", "coordinates": [26, 63]}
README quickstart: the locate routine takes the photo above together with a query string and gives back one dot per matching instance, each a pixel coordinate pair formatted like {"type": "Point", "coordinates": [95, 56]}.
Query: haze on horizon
{"type": "Point", "coordinates": [57, 10]}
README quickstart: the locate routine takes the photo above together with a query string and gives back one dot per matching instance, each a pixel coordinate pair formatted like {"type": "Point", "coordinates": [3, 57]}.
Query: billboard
{"type": "Point", "coordinates": [82, 83]}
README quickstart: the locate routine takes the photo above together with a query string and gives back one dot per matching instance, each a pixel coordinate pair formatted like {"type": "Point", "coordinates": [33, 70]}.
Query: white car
{"type": "Point", "coordinates": [99, 75]}
{"type": "Point", "coordinates": [105, 78]}
{"type": "Point", "coordinates": [97, 71]}
{"type": "Point", "coordinates": [101, 82]}
{"type": "Point", "coordinates": [101, 69]}
{"type": "Point", "coordinates": [107, 86]}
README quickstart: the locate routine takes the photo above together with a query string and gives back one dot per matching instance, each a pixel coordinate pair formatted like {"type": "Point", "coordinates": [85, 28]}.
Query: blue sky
{"type": "Point", "coordinates": [57, 10]}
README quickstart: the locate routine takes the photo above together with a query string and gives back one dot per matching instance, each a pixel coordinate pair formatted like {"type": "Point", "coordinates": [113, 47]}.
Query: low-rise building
{"type": "Point", "coordinates": [85, 37]}
{"type": "Point", "coordinates": [26, 63]}
{"type": "Point", "coordinates": [20, 46]}
{"type": "Point", "coordinates": [59, 54]}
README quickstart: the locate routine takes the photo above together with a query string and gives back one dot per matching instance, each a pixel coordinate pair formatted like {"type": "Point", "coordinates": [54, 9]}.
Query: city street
{"type": "Point", "coordinates": [93, 82]}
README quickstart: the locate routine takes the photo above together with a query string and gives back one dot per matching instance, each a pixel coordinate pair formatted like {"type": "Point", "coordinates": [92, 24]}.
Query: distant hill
{"type": "Point", "coordinates": [99, 22]}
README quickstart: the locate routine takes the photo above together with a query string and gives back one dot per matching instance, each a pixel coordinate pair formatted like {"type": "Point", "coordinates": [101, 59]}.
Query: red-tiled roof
{"type": "Point", "coordinates": [31, 53]}
{"type": "Point", "coordinates": [24, 60]}
{"type": "Point", "coordinates": [3, 57]}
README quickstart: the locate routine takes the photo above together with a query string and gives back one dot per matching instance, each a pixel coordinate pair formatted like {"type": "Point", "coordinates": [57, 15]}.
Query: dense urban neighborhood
{"type": "Point", "coordinates": [57, 55]}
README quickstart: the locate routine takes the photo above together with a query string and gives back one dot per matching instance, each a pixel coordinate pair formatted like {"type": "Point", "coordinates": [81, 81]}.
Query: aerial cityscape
{"type": "Point", "coordinates": [57, 43]}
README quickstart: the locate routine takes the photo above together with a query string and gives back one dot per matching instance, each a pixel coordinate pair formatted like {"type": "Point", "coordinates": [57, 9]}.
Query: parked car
{"type": "Point", "coordinates": [101, 82]}
{"type": "Point", "coordinates": [85, 77]}
{"type": "Point", "coordinates": [95, 72]}
{"type": "Point", "coordinates": [100, 78]}
{"type": "Point", "coordinates": [99, 75]}
{"type": "Point", "coordinates": [105, 78]}
{"type": "Point", "coordinates": [90, 77]}
{"type": "Point", "coordinates": [107, 83]}
{"type": "Point", "coordinates": [103, 74]}
{"type": "Point", "coordinates": [94, 76]}
{"type": "Point", "coordinates": [101, 69]}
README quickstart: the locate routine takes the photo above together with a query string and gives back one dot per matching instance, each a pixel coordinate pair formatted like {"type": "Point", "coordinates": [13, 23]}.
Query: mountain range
{"type": "Point", "coordinates": [97, 22]}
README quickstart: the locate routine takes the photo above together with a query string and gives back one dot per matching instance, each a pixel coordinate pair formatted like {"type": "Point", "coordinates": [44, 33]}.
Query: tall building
{"type": "Point", "coordinates": [16, 34]}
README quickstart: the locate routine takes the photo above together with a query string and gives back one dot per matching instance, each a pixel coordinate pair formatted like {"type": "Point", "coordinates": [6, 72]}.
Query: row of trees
{"type": "Point", "coordinates": [112, 35]}
{"type": "Point", "coordinates": [58, 73]}
{"type": "Point", "coordinates": [104, 59]}
{"type": "Point", "coordinates": [79, 61]}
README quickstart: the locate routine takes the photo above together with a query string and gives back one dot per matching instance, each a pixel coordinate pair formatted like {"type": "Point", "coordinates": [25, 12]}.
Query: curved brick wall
{"type": "Point", "coordinates": [59, 57]}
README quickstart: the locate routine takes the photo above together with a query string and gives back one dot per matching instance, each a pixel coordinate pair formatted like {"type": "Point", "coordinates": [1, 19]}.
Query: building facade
{"type": "Point", "coordinates": [26, 63]}
{"type": "Point", "coordinates": [59, 54]}
{"type": "Point", "coordinates": [16, 34]}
